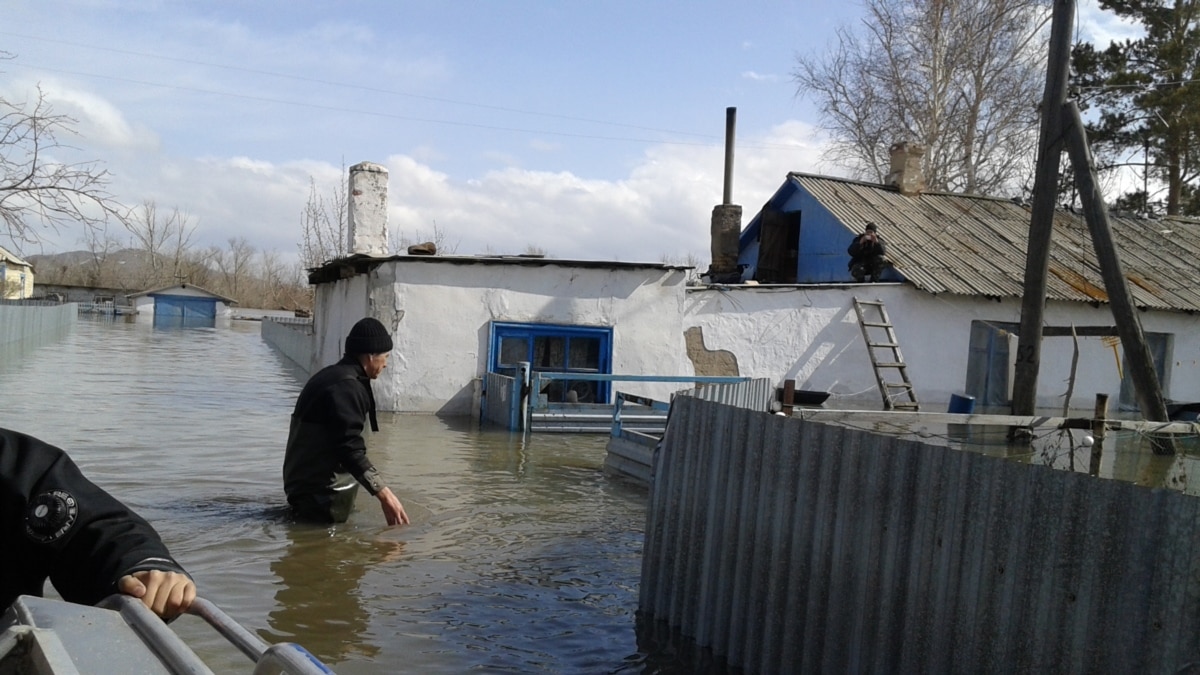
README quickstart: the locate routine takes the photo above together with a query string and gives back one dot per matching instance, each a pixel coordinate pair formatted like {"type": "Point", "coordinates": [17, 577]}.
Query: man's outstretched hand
{"type": "Point", "coordinates": [167, 594]}
{"type": "Point", "coordinates": [393, 510]}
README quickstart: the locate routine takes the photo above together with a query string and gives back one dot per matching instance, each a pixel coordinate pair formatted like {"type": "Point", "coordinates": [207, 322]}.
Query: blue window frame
{"type": "Point", "coordinates": [557, 349]}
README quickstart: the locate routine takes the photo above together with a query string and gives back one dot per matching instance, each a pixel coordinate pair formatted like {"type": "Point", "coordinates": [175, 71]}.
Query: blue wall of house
{"type": "Point", "coordinates": [822, 256]}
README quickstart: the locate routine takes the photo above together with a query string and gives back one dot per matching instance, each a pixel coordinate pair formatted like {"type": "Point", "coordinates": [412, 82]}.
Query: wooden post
{"type": "Point", "coordinates": [1100, 417]}
{"type": "Point", "coordinates": [789, 396]}
{"type": "Point", "coordinates": [1129, 325]}
{"type": "Point", "coordinates": [1041, 222]}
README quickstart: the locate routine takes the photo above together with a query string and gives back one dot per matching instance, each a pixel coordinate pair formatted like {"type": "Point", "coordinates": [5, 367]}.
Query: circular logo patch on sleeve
{"type": "Point", "coordinates": [50, 515]}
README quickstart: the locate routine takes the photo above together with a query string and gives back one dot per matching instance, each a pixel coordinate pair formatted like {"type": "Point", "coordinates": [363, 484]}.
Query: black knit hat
{"type": "Point", "coordinates": [368, 336]}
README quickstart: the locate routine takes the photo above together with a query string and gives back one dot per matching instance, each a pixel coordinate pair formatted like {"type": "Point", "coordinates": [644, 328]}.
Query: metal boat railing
{"type": "Point", "coordinates": [60, 634]}
{"type": "Point", "coordinates": [284, 657]}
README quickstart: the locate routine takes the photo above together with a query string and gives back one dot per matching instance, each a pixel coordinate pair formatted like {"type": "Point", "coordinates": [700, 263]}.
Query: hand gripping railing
{"type": "Point", "coordinates": [284, 657]}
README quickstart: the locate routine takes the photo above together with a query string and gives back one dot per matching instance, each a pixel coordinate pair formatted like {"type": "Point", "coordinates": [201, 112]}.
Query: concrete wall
{"type": "Point", "coordinates": [441, 310]}
{"type": "Point", "coordinates": [791, 546]}
{"type": "Point", "coordinates": [84, 294]}
{"type": "Point", "coordinates": [811, 334]}
{"type": "Point", "coordinates": [293, 338]}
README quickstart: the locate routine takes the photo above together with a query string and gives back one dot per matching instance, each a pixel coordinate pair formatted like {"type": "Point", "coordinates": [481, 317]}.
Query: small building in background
{"type": "Point", "coordinates": [182, 305]}
{"type": "Point", "coordinates": [16, 277]}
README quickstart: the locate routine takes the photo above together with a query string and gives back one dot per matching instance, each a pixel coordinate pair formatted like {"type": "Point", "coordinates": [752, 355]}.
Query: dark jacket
{"type": "Point", "coordinates": [862, 250]}
{"type": "Point", "coordinates": [325, 438]}
{"type": "Point", "coordinates": [59, 525]}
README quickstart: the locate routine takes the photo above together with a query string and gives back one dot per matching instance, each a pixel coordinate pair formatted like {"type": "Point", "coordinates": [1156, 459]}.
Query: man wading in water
{"type": "Point", "coordinates": [326, 456]}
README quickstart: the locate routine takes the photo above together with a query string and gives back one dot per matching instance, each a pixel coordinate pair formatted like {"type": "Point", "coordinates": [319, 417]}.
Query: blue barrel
{"type": "Point", "coordinates": [962, 404]}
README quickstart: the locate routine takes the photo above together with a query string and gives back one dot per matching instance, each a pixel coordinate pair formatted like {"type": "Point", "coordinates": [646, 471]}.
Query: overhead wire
{"type": "Point", "coordinates": [347, 85]}
{"type": "Point", "coordinates": [711, 140]}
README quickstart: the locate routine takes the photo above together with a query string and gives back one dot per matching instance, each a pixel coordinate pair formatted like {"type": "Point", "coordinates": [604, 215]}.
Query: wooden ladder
{"type": "Point", "coordinates": [884, 350]}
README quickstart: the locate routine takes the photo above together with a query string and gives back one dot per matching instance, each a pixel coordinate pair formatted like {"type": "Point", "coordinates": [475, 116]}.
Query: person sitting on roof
{"type": "Point", "coordinates": [867, 253]}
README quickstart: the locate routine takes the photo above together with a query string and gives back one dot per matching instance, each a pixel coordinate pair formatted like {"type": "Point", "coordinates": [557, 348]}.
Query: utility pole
{"type": "Point", "coordinates": [1061, 125]}
{"type": "Point", "coordinates": [1041, 222]}
{"type": "Point", "coordinates": [1129, 326]}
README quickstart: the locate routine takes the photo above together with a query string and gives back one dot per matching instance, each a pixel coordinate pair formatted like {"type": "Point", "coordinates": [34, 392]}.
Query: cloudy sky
{"type": "Point", "coordinates": [590, 130]}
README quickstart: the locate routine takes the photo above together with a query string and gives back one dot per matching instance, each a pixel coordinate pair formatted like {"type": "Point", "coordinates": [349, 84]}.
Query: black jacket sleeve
{"type": "Point", "coordinates": [349, 406]}
{"type": "Point", "coordinates": [59, 525]}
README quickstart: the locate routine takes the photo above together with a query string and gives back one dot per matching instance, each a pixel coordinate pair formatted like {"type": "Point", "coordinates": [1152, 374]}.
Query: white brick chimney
{"type": "Point", "coordinates": [367, 217]}
{"type": "Point", "coordinates": [906, 172]}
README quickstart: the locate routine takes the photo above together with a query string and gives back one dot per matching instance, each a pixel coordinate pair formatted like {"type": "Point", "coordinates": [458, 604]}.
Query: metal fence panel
{"type": "Point", "coordinates": [788, 545]}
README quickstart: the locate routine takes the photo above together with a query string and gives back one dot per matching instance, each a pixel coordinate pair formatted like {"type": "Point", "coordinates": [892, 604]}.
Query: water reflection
{"type": "Point", "coordinates": [319, 602]}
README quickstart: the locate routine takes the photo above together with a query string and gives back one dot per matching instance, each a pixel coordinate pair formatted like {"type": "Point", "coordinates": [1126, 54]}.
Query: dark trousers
{"type": "Point", "coordinates": [863, 268]}
{"type": "Point", "coordinates": [326, 507]}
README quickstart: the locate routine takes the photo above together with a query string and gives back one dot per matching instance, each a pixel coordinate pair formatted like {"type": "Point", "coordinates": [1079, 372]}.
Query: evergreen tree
{"type": "Point", "coordinates": [1147, 97]}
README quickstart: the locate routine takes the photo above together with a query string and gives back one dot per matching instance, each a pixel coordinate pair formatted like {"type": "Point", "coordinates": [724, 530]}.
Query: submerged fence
{"type": "Point", "coordinates": [520, 403]}
{"type": "Point", "coordinates": [792, 546]}
{"type": "Point", "coordinates": [32, 322]}
{"type": "Point", "coordinates": [631, 452]}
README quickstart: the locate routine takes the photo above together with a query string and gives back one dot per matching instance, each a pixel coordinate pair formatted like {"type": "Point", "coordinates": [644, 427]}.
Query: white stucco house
{"type": "Point", "coordinates": [953, 293]}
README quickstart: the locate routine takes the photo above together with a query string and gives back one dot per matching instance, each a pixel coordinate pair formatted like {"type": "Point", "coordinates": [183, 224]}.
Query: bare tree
{"type": "Point", "coordinates": [235, 264]}
{"type": "Point", "coordinates": [36, 186]}
{"type": "Point", "coordinates": [323, 225]}
{"type": "Point", "coordinates": [180, 240]}
{"type": "Point", "coordinates": [97, 270]}
{"type": "Point", "coordinates": [163, 238]}
{"type": "Point", "coordinates": [960, 77]}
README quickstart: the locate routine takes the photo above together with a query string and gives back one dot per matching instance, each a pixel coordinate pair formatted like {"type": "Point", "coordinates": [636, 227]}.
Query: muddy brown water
{"type": "Point", "coordinates": [522, 556]}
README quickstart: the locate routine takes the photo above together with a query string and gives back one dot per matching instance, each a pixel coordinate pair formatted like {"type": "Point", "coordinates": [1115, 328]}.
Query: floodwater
{"type": "Point", "coordinates": [522, 556]}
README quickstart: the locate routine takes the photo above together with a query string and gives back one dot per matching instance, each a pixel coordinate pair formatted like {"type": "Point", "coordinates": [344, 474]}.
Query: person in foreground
{"type": "Point", "coordinates": [59, 525]}
{"type": "Point", "coordinates": [326, 456]}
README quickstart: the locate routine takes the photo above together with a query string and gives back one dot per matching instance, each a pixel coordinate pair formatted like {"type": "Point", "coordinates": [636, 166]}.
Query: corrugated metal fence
{"type": "Point", "coordinates": [35, 323]}
{"type": "Point", "coordinates": [754, 394]}
{"type": "Point", "coordinates": [790, 547]}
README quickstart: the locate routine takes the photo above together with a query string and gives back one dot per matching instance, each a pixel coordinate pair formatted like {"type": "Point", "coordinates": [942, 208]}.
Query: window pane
{"type": "Point", "coordinates": [513, 350]}
{"type": "Point", "coordinates": [585, 354]}
{"type": "Point", "coordinates": [549, 353]}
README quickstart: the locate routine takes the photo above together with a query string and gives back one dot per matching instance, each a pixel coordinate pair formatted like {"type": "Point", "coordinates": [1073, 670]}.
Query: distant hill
{"type": "Point", "coordinates": [49, 261]}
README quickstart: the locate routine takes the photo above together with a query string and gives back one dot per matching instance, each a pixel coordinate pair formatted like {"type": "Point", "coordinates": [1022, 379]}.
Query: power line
{"type": "Point", "coordinates": [392, 92]}
{"type": "Point", "coordinates": [1145, 85]}
{"type": "Point", "coordinates": [378, 90]}
{"type": "Point", "coordinates": [408, 118]}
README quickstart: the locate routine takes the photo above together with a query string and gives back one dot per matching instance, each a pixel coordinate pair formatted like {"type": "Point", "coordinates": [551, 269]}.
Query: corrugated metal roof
{"type": "Point", "coordinates": [970, 245]}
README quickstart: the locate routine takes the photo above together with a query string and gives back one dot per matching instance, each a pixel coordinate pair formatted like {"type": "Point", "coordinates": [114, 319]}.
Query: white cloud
{"type": "Point", "coordinates": [759, 77]}
{"type": "Point", "coordinates": [1101, 28]}
{"type": "Point", "coordinates": [95, 118]}
{"type": "Point", "coordinates": [660, 208]}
